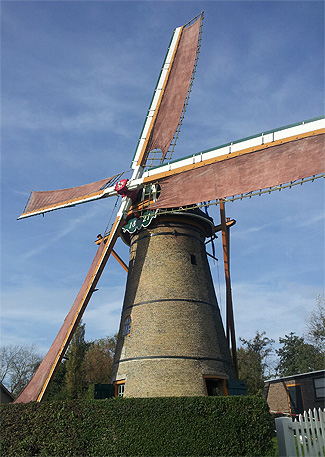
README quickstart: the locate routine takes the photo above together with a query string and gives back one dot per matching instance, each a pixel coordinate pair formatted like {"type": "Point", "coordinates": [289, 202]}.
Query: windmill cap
{"type": "Point", "coordinates": [189, 216]}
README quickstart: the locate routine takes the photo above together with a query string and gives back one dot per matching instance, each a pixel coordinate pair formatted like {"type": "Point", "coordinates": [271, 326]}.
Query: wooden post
{"type": "Point", "coordinates": [230, 326]}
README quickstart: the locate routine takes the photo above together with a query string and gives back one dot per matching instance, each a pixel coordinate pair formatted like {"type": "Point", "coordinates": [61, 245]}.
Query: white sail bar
{"type": "Point", "coordinates": [156, 97]}
{"type": "Point", "coordinates": [264, 139]}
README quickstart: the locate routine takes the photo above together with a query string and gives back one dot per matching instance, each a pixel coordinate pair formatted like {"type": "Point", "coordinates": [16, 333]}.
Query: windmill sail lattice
{"type": "Point", "coordinates": [273, 159]}
{"type": "Point", "coordinates": [44, 201]}
{"type": "Point", "coordinates": [176, 90]}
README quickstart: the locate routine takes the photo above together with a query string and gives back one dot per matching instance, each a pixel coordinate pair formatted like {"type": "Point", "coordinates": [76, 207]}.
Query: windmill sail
{"type": "Point", "coordinates": [176, 90]}
{"type": "Point", "coordinates": [251, 165]}
{"type": "Point", "coordinates": [37, 386]}
{"type": "Point", "coordinates": [171, 92]}
{"type": "Point", "coordinates": [45, 201]}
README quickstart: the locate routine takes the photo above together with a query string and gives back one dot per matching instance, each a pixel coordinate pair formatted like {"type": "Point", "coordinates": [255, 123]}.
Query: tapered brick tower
{"type": "Point", "coordinates": [171, 340]}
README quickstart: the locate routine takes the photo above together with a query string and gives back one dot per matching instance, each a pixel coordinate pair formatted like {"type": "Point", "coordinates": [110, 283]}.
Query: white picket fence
{"type": "Point", "coordinates": [303, 436]}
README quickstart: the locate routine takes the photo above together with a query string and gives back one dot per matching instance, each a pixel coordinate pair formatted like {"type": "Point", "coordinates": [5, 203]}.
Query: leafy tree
{"type": "Point", "coordinates": [98, 360]}
{"type": "Point", "coordinates": [75, 381]}
{"type": "Point", "coordinates": [296, 356]}
{"type": "Point", "coordinates": [250, 370]}
{"type": "Point", "coordinates": [17, 366]}
{"type": "Point", "coordinates": [57, 388]}
{"type": "Point", "coordinates": [253, 361]}
{"type": "Point", "coordinates": [85, 364]}
{"type": "Point", "coordinates": [316, 324]}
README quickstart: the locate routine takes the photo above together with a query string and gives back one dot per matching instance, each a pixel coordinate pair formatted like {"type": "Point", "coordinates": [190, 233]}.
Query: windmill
{"type": "Point", "coordinates": [271, 159]}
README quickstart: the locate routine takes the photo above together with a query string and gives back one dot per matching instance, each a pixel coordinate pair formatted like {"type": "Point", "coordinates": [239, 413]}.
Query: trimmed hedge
{"type": "Point", "coordinates": [194, 426]}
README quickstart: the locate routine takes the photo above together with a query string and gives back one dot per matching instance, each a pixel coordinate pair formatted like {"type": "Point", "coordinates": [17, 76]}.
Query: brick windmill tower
{"type": "Point", "coordinates": [171, 339]}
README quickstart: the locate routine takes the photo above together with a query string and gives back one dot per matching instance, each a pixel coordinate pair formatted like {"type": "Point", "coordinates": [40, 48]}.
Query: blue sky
{"type": "Point", "coordinates": [77, 79]}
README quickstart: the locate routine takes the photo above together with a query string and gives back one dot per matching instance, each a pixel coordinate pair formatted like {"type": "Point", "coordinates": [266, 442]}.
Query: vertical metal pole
{"type": "Point", "coordinates": [230, 326]}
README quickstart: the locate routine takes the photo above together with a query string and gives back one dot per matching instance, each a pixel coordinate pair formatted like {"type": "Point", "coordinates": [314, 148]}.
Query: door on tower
{"type": "Point", "coordinates": [216, 387]}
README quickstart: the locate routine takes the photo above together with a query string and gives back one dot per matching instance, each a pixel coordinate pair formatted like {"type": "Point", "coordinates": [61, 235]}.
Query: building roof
{"type": "Point", "coordinates": [300, 375]}
{"type": "Point", "coordinates": [6, 391]}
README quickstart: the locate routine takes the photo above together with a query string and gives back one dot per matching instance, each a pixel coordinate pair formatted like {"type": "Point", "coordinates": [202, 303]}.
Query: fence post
{"type": "Point", "coordinates": [285, 437]}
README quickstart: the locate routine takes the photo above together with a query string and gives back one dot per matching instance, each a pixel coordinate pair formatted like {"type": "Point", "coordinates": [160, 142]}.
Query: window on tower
{"type": "Point", "coordinates": [119, 387]}
{"type": "Point", "coordinates": [120, 390]}
{"type": "Point", "coordinates": [193, 259]}
{"type": "Point", "coordinates": [127, 326]}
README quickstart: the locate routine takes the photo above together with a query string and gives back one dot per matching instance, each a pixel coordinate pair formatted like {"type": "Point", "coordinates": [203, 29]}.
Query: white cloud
{"type": "Point", "coordinates": [71, 225]}
{"type": "Point", "coordinates": [278, 310]}
{"type": "Point", "coordinates": [37, 313]}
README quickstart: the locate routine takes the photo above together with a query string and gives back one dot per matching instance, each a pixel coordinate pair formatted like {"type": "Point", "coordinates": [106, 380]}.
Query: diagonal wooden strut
{"type": "Point", "coordinates": [120, 261]}
{"type": "Point", "coordinates": [114, 253]}
{"type": "Point", "coordinates": [230, 325]}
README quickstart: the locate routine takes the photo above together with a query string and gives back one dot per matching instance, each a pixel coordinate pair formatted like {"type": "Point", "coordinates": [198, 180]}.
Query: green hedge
{"type": "Point", "coordinates": [209, 426]}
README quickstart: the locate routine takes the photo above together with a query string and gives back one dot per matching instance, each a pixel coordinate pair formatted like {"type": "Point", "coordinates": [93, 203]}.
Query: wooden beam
{"type": "Point", "coordinates": [230, 326]}
{"type": "Point", "coordinates": [120, 261]}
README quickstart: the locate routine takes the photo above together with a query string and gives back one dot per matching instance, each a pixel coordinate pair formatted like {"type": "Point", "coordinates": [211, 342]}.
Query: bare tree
{"type": "Point", "coordinates": [17, 366]}
{"type": "Point", "coordinates": [316, 324]}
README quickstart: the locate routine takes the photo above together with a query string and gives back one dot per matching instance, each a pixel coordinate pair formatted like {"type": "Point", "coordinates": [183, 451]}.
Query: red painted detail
{"type": "Point", "coordinates": [122, 189]}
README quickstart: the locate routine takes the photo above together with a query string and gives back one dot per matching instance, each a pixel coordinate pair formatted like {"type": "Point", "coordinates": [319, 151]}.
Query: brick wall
{"type": "Point", "coordinates": [277, 397]}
